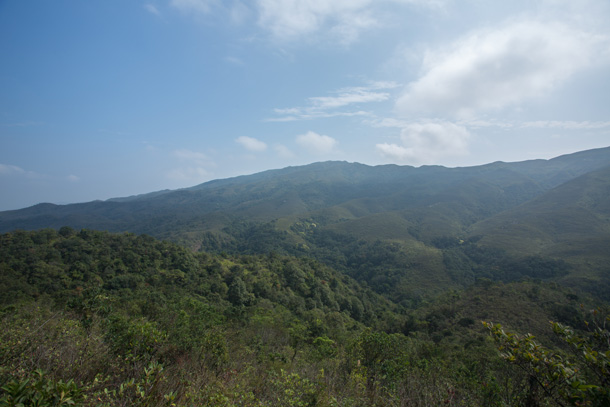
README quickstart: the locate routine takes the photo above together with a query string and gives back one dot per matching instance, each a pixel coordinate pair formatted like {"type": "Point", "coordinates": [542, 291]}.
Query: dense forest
{"type": "Point", "coordinates": [95, 318]}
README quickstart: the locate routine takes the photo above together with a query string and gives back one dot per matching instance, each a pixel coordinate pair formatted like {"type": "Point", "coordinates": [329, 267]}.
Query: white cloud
{"type": "Point", "coordinates": [395, 152]}
{"type": "Point", "coordinates": [307, 114]}
{"type": "Point", "coordinates": [427, 143]}
{"type": "Point", "coordinates": [388, 122]}
{"type": "Point", "coordinates": [323, 106]}
{"type": "Point", "coordinates": [348, 97]}
{"type": "Point", "coordinates": [336, 21]}
{"type": "Point", "coordinates": [73, 178]}
{"type": "Point", "coordinates": [7, 169]}
{"type": "Point", "coordinates": [287, 19]}
{"type": "Point", "coordinates": [339, 20]}
{"type": "Point", "coordinates": [196, 6]}
{"type": "Point", "coordinates": [497, 68]}
{"type": "Point", "coordinates": [152, 9]}
{"type": "Point", "coordinates": [251, 144]}
{"type": "Point", "coordinates": [316, 143]}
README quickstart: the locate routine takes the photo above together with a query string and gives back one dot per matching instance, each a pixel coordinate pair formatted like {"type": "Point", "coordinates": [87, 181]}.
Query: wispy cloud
{"type": "Point", "coordinates": [251, 144]}
{"type": "Point", "coordinates": [234, 61]}
{"type": "Point", "coordinates": [283, 151]}
{"type": "Point", "coordinates": [194, 6]}
{"type": "Point", "coordinates": [347, 97]}
{"type": "Point", "coordinates": [305, 114]}
{"type": "Point", "coordinates": [316, 143]}
{"type": "Point", "coordinates": [337, 21]}
{"type": "Point", "coordinates": [326, 106]}
{"type": "Point", "coordinates": [8, 170]}
{"type": "Point", "coordinates": [566, 125]}
{"type": "Point", "coordinates": [538, 124]}
{"type": "Point", "coordinates": [290, 19]}
{"type": "Point", "coordinates": [341, 21]}
{"type": "Point", "coordinates": [152, 9]}
{"type": "Point", "coordinates": [192, 166]}
{"type": "Point", "coordinates": [497, 68]}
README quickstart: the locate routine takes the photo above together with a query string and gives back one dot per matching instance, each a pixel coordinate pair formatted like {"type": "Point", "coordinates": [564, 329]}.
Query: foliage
{"type": "Point", "coordinates": [408, 233]}
{"type": "Point", "coordinates": [581, 379]}
{"type": "Point", "coordinates": [40, 390]}
{"type": "Point", "coordinates": [122, 320]}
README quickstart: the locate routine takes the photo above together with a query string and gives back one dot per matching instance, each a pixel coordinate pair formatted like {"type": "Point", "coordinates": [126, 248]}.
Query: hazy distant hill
{"type": "Point", "coordinates": [361, 189]}
{"type": "Point", "coordinates": [395, 227]}
{"type": "Point", "coordinates": [571, 221]}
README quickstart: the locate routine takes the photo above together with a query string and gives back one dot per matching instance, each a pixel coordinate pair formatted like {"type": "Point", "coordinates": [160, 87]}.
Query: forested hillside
{"type": "Point", "coordinates": [332, 284]}
{"type": "Point", "coordinates": [409, 233]}
{"type": "Point", "coordinates": [91, 318]}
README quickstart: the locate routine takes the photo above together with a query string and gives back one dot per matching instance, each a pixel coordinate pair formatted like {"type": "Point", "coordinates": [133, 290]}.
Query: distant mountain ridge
{"type": "Point", "coordinates": [322, 210]}
{"type": "Point", "coordinates": [326, 183]}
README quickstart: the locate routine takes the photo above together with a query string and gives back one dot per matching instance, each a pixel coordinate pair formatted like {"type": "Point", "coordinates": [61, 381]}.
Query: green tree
{"type": "Point", "coordinates": [238, 293]}
{"type": "Point", "coordinates": [580, 379]}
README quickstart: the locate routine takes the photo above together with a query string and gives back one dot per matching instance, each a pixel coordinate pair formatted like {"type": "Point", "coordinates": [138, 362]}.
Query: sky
{"type": "Point", "coordinates": [112, 98]}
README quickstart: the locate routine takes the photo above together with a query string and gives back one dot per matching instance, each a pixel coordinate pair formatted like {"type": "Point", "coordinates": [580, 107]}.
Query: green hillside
{"type": "Point", "coordinates": [571, 222]}
{"type": "Point", "coordinates": [97, 319]}
{"type": "Point", "coordinates": [409, 233]}
{"type": "Point", "coordinates": [297, 191]}
{"type": "Point", "coordinates": [332, 284]}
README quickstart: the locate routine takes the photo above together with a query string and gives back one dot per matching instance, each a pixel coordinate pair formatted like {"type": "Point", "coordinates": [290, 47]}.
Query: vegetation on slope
{"type": "Point", "coordinates": [408, 233]}
{"type": "Point", "coordinates": [92, 318]}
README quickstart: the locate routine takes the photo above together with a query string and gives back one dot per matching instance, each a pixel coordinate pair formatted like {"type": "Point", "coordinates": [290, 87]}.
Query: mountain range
{"type": "Point", "coordinates": [407, 232]}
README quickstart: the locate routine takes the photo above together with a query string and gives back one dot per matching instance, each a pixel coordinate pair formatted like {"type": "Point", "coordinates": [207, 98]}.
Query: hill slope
{"type": "Point", "coordinates": [357, 188]}
{"type": "Point", "coordinates": [92, 318]}
{"type": "Point", "coordinates": [571, 221]}
{"type": "Point", "coordinates": [407, 232]}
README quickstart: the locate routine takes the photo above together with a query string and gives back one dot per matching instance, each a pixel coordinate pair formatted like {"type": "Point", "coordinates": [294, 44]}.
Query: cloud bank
{"type": "Point", "coordinates": [496, 68]}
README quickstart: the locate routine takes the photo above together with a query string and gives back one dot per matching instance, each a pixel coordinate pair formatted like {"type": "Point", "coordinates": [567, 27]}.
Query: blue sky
{"type": "Point", "coordinates": [102, 99]}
